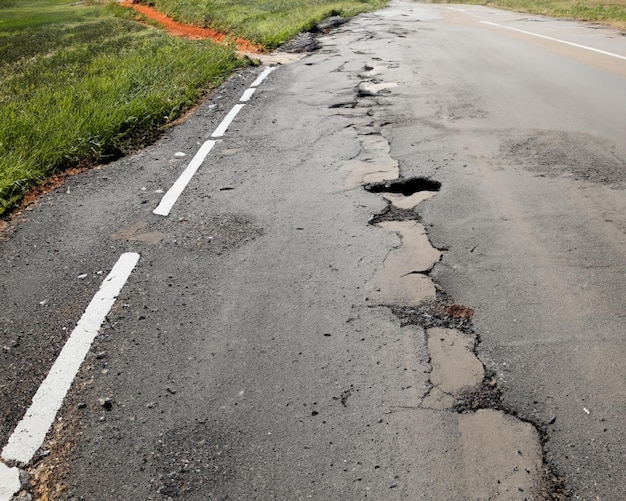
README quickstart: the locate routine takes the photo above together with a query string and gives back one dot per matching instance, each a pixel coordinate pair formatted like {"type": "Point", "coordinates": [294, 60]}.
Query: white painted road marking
{"type": "Point", "coordinates": [263, 76]}
{"type": "Point", "coordinates": [221, 129]}
{"type": "Point", "coordinates": [552, 39]}
{"type": "Point", "coordinates": [9, 482]}
{"type": "Point", "coordinates": [31, 430]}
{"type": "Point", "coordinates": [169, 199]}
{"type": "Point", "coordinates": [247, 95]}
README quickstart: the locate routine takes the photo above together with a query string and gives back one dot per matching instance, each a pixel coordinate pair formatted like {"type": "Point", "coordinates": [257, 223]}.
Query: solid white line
{"type": "Point", "coordinates": [31, 430]}
{"type": "Point", "coordinates": [611, 54]}
{"type": "Point", "coordinates": [221, 129]}
{"type": "Point", "coordinates": [247, 95]}
{"type": "Point", "coordinates": [169, 199]}
{"type": "Point", "coordinates": [263, 76]}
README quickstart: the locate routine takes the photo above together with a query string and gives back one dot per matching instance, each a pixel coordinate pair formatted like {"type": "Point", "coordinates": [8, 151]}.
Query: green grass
{"type": "Point", "coordinates": [79, 85]}
{"type": "Point", "coordinates": [612, 12]}
{"type": "Point", "coordinates": [265, 22]}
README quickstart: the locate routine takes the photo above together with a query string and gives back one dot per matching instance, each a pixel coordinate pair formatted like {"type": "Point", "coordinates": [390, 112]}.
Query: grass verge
{"type": "Point", "coordinates": [611, 13]}
{"type": "Point", "coordinates": [265, 22]}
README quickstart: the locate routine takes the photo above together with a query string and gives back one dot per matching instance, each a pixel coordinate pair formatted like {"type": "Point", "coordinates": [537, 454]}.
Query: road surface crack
{"type": "Point", "coordinates": [502, 454]}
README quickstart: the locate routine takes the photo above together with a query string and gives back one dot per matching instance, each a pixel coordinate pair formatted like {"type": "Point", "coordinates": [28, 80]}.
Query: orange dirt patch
{"type": "Point", "coordinates": [190, 31]}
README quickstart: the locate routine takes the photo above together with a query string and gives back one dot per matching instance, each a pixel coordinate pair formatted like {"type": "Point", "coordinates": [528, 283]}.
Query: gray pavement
{"type": "Point", "coordinates": [274, 343]}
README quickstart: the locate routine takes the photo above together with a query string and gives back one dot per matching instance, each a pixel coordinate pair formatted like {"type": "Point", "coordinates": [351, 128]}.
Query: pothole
{"type": "Point", "coordinates": [406, 194]}
{"type": "Point", "coordinates": [407, 187]}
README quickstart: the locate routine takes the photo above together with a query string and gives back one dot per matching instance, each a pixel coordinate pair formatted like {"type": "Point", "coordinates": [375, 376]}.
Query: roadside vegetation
{"type": "Point", "coordinates": [83, 82]}
{"type": "Point", "coordinates": [265, 22]}
{"type": "Point", "coordinates": [609, 12]}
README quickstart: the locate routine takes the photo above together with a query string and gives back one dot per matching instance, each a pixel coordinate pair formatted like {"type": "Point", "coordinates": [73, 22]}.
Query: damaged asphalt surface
{"type": "Point", "coordinates": [303, 326]}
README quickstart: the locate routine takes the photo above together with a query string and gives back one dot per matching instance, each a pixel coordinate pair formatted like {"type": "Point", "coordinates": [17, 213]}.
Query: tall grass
{"type": "Point", "coordinates": [78, 85]}
{"type": "Point", "coordinates": [264, 22]}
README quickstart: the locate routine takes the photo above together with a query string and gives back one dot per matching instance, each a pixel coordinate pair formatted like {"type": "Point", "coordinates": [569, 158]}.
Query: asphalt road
{"type": "Point", "coordinates": [287, 335]}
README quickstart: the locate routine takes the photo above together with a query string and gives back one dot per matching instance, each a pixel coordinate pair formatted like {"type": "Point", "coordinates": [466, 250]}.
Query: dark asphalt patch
{"type": "Point", "coordinates": [485, 396]}
{"type": "Point", "coordinates": [435, 314]}
{"type": "Point", "coordinates": [557, 153]}
{"type": "Point", "coordinates": [328, 24]}
{"type": "Point", "coordinates": [216, 234]}
{"type": "Point", "coordinates": [391, 213]}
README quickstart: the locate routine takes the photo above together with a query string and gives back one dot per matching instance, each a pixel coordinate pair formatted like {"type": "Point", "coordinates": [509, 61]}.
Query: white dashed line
{"type": "Point", "coordinates": [169, 199]}
{"type": "Point", "coordinates": [9, 482]}
{"type": "Point", "coordinates": [263, 76]}
{"type": "Point", "coordinates": [223, 127]}
{"type": "Point", "coordinates": [31, 430]}
{"type": "Point", "coordinates": [552, 39]}
{"type": "Point", "coordinates": [247, 95]}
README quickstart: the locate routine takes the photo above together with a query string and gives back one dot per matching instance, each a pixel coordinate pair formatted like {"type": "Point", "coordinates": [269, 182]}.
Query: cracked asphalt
{"type": "Point", "coordinates": [399, 275]}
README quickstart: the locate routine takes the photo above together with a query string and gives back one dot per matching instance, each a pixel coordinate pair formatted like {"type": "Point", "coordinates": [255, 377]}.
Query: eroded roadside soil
{"type": "Point", "coordinates": [178, 29]}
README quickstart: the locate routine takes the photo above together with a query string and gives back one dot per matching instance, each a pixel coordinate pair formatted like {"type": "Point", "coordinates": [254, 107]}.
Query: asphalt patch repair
{"type": "Point", "coordinates": [215, 234]}
{"type": "Point", "coordinates": [502, 456]}
{"type": "Point", "coordinates": [461, 383]}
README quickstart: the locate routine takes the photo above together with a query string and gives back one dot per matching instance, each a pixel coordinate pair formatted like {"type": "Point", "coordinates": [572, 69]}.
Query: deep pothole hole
{"type": "Point", "coordinates": [407, 187]}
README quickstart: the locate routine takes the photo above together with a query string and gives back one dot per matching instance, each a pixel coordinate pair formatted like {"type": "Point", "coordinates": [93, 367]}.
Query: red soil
{"type": "Point", "coordinates": [189, 31]}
